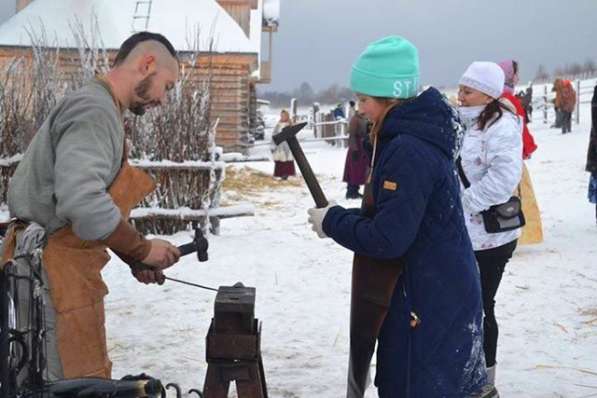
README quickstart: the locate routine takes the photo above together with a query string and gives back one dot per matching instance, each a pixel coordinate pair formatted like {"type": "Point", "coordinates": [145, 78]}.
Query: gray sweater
{"type": "Point", "coordinates": [69, 165]}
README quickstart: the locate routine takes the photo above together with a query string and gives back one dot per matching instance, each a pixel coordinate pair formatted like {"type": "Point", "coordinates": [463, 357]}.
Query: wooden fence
{"type": "Point", "coordinates": [544, 103]}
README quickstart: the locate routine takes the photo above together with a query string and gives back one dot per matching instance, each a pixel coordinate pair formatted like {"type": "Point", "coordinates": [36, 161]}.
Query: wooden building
{"type": "Point", "coordinates": [230, 36]}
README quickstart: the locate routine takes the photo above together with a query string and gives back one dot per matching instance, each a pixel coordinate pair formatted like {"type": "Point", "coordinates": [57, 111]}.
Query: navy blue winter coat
{"type": "Point", "coordinates": [419, 217]}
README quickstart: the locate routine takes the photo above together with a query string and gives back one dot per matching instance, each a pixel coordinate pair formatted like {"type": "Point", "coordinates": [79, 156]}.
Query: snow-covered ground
{"type": "Point", "coordinates": [546, 305]}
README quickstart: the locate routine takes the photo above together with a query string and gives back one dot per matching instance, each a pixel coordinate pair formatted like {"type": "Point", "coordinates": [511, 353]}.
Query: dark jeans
{"type": "Point", "coordinates": [352, 191]}
{"type": "Point", "coordinates": [492, 263]}
{"type": "Point", "coordinates": [558, 122]}
{"type": "Point", "coordinates": [566, 122]}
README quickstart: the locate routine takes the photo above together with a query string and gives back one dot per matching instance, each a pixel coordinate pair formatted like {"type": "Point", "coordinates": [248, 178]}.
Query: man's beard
{"type": "Point", "coordinates": [142, 91]}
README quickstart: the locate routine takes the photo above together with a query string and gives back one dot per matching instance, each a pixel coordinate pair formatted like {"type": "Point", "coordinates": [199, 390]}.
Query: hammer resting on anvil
{"type": "Point", "coordinates": [288, 134]}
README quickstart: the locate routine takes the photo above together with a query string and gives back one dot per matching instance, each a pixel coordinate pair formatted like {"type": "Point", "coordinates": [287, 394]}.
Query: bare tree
{"type": "Point", "coordinates": [541, 74]}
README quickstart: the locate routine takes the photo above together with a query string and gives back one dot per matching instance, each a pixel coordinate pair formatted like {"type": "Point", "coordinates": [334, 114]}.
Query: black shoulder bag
{"type": "Point", "coordinates": [498, 218]}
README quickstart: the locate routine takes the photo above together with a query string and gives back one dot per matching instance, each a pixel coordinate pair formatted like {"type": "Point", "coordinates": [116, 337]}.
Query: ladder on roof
{"type": "Point", "coordinates": [141, 15]}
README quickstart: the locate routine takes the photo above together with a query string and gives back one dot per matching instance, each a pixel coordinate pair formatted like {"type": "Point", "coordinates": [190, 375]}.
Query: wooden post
{"type": "Point", "coordinates": [293, 110]}
{"type": "Point", "coordinates": [545, 121]}
{"type": "Point", "coordinates": [315, 118]}
{"type": "Point", "coordinates": [578, 102]}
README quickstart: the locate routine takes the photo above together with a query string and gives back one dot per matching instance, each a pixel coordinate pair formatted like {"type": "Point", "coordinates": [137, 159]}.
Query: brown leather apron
{"type": "Point", "coordinates": [373, 283]}
{"type": "Point", "coordinates": [77, 288]}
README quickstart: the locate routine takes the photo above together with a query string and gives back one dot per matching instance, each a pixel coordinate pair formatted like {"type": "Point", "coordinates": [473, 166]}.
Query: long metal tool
{"type": "Point", "coordinates": [190, 283]}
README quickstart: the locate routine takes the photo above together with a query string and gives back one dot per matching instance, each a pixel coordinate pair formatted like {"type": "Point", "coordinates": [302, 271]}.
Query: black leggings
{"type": "Point", "coordinates": [491, 265]}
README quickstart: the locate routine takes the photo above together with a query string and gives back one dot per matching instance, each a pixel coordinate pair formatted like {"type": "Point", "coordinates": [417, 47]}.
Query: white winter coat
{"type": "Point", "coordinates": [492, 162]}
{"type": "Point", "coordinates": [280, 153]}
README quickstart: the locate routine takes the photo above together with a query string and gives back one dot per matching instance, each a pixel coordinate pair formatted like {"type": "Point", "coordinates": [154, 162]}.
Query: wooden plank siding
{"type": "Point", "coordinates": [240, 11]}
{"type": "Point", "coordinates": [230, 88]}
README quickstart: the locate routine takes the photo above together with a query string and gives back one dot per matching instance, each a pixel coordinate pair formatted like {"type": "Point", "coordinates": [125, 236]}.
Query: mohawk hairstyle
{"type": "Point", "coordinates": [139, 37]}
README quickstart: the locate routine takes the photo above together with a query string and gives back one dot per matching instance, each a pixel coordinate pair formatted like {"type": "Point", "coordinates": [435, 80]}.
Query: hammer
{"type": "Point", "coordinates": [199, 245]}
{"type": "Point", "coordinates": [288, 134]}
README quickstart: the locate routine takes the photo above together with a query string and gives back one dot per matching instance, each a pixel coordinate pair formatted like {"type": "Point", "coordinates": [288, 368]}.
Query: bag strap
{"type": "Point", "coordinates": [466, 182]}
{"type": "Point", "coordinates": [463, 178]}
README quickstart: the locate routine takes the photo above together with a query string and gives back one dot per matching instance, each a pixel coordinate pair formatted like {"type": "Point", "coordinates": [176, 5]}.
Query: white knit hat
{"type": "Point", "coordinates": [486, 77]}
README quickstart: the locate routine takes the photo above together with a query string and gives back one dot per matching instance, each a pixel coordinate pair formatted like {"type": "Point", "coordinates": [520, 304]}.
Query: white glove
{"type": "Point", "coordinates": [316, 216]}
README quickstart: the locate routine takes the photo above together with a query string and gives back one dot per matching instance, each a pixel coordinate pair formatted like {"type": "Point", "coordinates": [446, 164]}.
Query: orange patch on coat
{"type": "Point", "coordinates": [390, 185]}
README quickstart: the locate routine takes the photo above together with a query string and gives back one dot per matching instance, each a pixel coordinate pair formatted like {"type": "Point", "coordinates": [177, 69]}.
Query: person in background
{"type": "Point", "coordinates": [492, 163]}
{"type": "Point", "coordinates": [526, 99]}
{"type": "Point", "coordinates": [592, 153]}
{"type": "Point", "coordinates": [565, 102]}
{"type": "Point", "coordinates": [357, 160]}
{"type": "Point", "coordinates": [352, 109]}
{"type": "Point", "coordinates": [532, 232]}
{"type": "Point", "coordinates": [415, 284]}
{"type": "Point", "coordinates": [283, 160]}
{"type": "Point", "coordinates": [338, 112]}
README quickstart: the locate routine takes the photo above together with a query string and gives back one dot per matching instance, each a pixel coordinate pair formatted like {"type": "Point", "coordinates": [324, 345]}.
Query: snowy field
{"type": "Point", "coordinates": [546, 305]}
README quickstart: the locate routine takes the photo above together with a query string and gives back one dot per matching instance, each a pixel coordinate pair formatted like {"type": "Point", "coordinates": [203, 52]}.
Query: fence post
{"type": "Point", "coordinates": [315, 114]}
{"type": "Point", "coordinates": [578, 102]}
{"type": "Point", "coordinates": [545, 121]}
{"type": "Point", "coordinates": [293, 110]}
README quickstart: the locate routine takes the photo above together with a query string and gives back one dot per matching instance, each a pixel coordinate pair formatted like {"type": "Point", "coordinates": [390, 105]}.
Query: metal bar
{"type": "Point", "coordinates": [190, 284]}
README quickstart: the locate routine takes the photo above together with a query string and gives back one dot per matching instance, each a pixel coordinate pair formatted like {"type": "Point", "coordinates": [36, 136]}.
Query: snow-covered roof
{"type": "Point", "coordinates": [175, 19]}
{"type": "Point", "coordinates": [271, 11]}
{"type": "Point", "coordinates": [255, 27]}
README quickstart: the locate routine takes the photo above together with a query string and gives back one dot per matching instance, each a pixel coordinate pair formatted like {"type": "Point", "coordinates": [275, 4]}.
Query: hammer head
{"type": "Point", "coordinates": [202, 245]}
{"type": "Point", "coordinates": [287, 133]}
{"type": "Point", "coordinates": [199, 245]}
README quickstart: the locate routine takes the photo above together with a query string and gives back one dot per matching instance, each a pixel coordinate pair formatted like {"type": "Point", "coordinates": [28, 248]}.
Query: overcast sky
{"type": "Point", "coordinates": [318, 40]}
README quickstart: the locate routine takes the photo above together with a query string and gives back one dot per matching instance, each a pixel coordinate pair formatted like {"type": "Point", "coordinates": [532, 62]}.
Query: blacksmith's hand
{"type": "Point", "coordinates": [148, 277]}
{"type": "Point", "coordinates": [316, 217]}
{"type": "Point", "coordinates": [162, 255]}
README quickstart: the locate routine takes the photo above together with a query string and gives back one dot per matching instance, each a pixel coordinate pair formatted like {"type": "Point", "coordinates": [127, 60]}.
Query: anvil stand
{"type": "Point", "coordinates": [233, 346]}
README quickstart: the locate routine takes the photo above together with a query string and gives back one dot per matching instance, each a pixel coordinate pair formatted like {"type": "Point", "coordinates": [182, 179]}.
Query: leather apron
{"type": "Point", "coordinates": [373, 283]}
{"type": "Point", "coordinates": [77, 288]}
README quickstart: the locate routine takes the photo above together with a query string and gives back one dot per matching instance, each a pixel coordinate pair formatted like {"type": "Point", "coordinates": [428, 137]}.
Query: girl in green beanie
{"type": "Point", "coordinates": [415, 284]}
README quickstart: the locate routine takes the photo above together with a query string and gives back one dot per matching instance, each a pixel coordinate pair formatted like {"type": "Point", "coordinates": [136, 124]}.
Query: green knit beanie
{"type": "Point", "coordinates": [388, 68]}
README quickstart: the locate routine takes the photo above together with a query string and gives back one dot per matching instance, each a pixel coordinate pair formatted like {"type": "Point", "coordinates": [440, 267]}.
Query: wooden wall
{"type": "Point", "coordinates": [230, 86]}
{"type": "Point", "coordinates": [240, 11]}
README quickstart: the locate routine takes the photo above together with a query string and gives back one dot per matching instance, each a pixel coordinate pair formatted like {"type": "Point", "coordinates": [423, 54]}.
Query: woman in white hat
{"type": "Point", "coordinates": [490, 168]}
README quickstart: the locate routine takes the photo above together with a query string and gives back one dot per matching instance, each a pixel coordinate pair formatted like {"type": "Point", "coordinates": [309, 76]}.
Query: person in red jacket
{"type": "Point", "coordinates": [565, 102]}
{"type": "Point", "coordinates": [532, 232]}
{"type": "Point", "coordinates": [510, 68]}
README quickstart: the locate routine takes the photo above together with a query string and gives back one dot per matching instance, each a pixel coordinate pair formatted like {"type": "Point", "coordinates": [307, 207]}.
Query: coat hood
{"type": "Point", "coordinates": [430, 118]}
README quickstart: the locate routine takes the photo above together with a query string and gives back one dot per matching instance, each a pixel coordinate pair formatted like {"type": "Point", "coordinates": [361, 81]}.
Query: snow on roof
{"type": "Point", "coordinates": [178, 20]}
{"type": "Point", "coordinates": [271, 11]}
{"type": "Point", "coordinates": [255, 35]}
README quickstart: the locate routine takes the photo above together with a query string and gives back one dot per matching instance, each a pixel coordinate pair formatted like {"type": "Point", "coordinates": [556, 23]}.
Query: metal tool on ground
{"type": "Point", "coordinates": [233, 346]}
{"type": "Point", "coordinates": [288, 135]}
